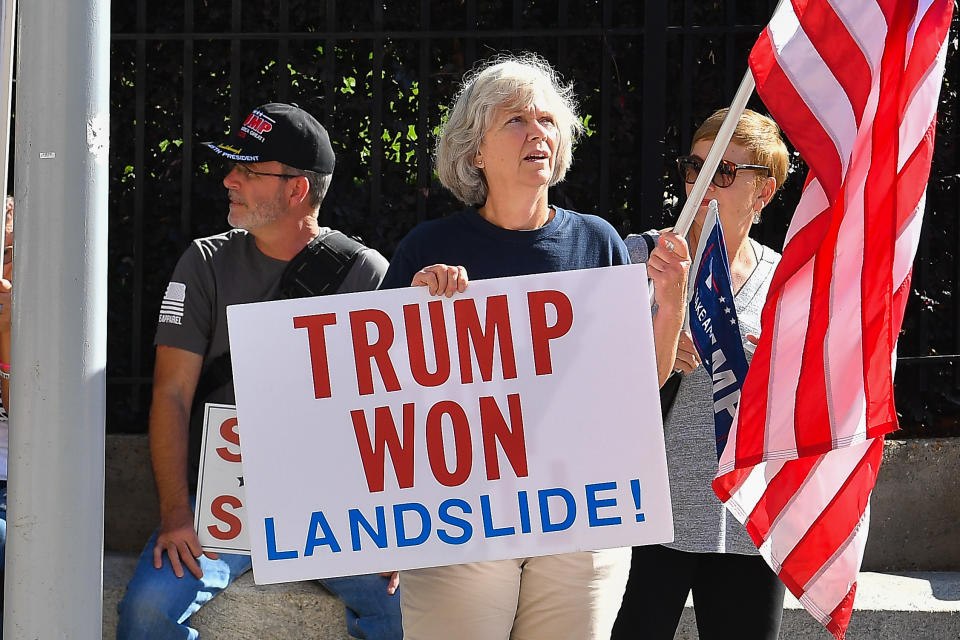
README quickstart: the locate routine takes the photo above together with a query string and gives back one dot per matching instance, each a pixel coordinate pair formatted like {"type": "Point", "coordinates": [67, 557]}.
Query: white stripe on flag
{"type": "Point", "coordinates": [866, 25]}
{"type": "Point", "coordinates": [786, 360]}
{"type": "Point", "coordinates": [825, 98]}
{"type": "Point", "coordinates": [828, 588]}
{"type": "Point", "coordinates": [923, 101]}
{"type": "Point", "coordinates": [811, 499]}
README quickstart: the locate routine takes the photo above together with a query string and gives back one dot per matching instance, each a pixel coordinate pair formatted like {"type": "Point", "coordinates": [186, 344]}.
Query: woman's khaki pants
{"type": "Point", "coordinates": [571, 595]}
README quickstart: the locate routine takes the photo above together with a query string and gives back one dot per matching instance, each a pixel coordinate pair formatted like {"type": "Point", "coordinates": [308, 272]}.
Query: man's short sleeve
{"type": "Point", "coordinates": [187, 309]}
{"type": "Point", "coordinates": [366, 273]}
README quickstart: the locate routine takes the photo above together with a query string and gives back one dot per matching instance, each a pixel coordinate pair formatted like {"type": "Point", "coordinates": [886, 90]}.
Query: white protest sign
{"type": "Point", "coordinates": [219, 517]}
{"type": "Point", "coordinates": [391, 430]}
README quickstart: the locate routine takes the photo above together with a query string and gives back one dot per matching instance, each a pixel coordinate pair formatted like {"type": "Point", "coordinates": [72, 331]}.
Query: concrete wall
{"type": "Point", "coordinates": [914, 522]}
{"type": "Point", "coordinates": [130, 510]}
{"type": "Point", "coordinates": [915, 518]}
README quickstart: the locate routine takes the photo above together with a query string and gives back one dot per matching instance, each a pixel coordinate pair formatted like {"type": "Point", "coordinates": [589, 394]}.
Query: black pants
{"type": "Point", "coordinates": [734, 596]}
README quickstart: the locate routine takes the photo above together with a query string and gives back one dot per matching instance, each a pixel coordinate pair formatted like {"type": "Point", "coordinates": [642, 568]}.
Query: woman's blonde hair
{"type": "Point", "coordinates": [504, 81]}
{"type": "Point", "coordinates": [756, 133]}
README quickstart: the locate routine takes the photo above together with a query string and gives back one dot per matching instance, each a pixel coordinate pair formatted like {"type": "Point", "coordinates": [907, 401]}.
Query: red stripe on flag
{"type": "Point", "coordinates": [812, 426]}
{"type": "Point", "coordinates": [889, 7]}
{"type": "Point", "coordinates": [840, 616]}
{"type": "Point", "coordinates": [729, 483]}
{"type": "Point", "coordinates": [778, 494]}
{"type": "Point", "coordinates": [925, 50]}
{"type": "Point", "coordinates": [840, 52]}
{"type": "Point", "coordinates": [880, 226]}
{"type": "Point", "coordinates": [803, 128]}
{"type": "Point", "coordinates": [834, 525]}
{"type": "Point", "coordinates": [913, 177]}
{"type": "Point", "coordinates": [753, 414]}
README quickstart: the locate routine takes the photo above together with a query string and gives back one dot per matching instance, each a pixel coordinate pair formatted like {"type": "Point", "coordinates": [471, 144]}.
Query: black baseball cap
{"type": "Point", "coordinates": [282, 133]}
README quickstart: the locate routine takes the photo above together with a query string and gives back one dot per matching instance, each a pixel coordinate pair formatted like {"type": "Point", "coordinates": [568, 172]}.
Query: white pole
{"type": "Point", "coordinates": [8, 23]}
{"type": "Point", "coordinates": [54, 562]}
{"type": "Point", "coordinates": [712, 161]}
{"type": "Point", "coordinates": [710, 164]}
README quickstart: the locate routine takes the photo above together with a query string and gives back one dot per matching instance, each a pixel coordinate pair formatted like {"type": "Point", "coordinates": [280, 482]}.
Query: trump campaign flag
{"type": "Point", "coordinates": [714, 327]}
{"type": "Point", "coordinates": [854, 84]}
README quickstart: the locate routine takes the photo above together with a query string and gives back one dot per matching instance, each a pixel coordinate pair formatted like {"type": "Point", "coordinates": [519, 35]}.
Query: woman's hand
{"type": "Point", "coordinates": [687, 357]}
{"type": "Point", "coordinates": [668, 267]}
{"type": "Point", "coordinates": [441, 279]}
{"type": "Point", "coordinates": [393, 581]}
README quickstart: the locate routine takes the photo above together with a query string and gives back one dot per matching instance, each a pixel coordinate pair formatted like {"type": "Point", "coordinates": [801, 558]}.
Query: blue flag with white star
{"type": "Point", "coordinates": [714, 327]}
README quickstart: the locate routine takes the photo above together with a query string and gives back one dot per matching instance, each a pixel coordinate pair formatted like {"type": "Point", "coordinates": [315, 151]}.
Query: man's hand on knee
{"type": "Point", "coordinates": [179, 541]}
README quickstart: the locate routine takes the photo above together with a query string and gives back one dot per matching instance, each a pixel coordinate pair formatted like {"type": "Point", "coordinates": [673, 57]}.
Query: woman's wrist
{"type": "Point", "coordinates": [670, 308]}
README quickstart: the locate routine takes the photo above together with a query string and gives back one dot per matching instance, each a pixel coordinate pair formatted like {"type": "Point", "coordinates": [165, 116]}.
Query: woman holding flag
{"type": "Point", "coordinates": [734, 591]}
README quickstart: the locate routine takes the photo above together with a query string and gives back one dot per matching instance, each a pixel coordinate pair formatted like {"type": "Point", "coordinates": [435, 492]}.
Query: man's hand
{"type": "Point", "coordinates": [441, 279]}
{"type": "Point", "coordinates": [175, 377]}
{"type": "Point", "coordinates": [178, 539]}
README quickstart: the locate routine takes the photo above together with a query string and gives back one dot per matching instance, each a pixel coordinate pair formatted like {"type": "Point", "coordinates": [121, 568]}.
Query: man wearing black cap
{"type": "Point", "coordinates": [282, 166]}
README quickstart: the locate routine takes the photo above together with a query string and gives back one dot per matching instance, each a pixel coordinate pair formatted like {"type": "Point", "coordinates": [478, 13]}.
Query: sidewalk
{"type": "Point", "coordinates": [901, 606]}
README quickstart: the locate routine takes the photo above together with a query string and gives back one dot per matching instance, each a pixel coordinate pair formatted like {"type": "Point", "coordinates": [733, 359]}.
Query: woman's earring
{"type": "Point", "coordinates": [756, 216]}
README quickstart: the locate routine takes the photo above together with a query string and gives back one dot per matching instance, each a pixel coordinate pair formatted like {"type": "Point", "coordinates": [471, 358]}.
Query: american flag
{"type": "Point", "coordinates": [854, 84]}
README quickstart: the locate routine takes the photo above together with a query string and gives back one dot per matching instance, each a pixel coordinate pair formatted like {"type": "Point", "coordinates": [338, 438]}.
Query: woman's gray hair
{"type": "Point", "coordinates": [509, 81]}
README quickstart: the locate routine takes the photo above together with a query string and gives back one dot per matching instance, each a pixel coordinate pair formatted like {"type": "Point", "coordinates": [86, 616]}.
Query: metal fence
{"type": "Point", "coordinates": [379, 74]}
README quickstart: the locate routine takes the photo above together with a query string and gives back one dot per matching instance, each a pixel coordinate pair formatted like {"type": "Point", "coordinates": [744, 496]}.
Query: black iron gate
{"type": "Point", "coordinates": [379, 75]}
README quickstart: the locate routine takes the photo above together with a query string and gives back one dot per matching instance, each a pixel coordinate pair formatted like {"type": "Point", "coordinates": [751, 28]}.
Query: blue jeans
{"type": "Point", "coordinates": [158, 604]}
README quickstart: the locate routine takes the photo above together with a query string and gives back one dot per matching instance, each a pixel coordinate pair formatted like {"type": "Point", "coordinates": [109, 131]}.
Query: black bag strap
{"type": "Point", "coordinates": [319, 269]}
{"type": "Point", "coordinates": [321, 266]}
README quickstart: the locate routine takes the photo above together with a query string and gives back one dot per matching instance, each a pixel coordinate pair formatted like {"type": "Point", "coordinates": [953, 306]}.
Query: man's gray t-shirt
{"type": "Point", "coordinates": [701, 523]}
{"type": "Point", "coordinates": [227, 269]}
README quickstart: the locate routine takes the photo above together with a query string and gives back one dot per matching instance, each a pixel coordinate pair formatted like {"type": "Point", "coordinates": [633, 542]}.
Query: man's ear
{"type": "Point", "coordinates": [299, 190]}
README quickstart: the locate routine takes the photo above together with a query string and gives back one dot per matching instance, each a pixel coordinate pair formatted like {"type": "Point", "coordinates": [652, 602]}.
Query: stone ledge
{"type": "Point", "coordinates": [244, 611]}
{"type": "Point", "coordinates": [915, 506]}
{"type": "Point", "coordinates": [888, 606]}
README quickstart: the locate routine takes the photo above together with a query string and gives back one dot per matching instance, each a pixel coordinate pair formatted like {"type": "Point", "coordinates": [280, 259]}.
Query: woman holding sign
{"type": "Point", "coordinates": [508, 138]}
{"type": "Point", "coordinates": [734, 591]}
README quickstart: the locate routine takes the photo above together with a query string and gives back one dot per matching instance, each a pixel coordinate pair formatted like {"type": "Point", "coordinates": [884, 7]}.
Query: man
{"type": "Point", "coordinates": [282, 166]}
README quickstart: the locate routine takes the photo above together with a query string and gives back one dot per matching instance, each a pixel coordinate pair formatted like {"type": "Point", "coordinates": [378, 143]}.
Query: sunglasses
{"type": "Point", "coordinates": [246, 172]}
{"type": "Point", "coordinates": [726, 173]}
